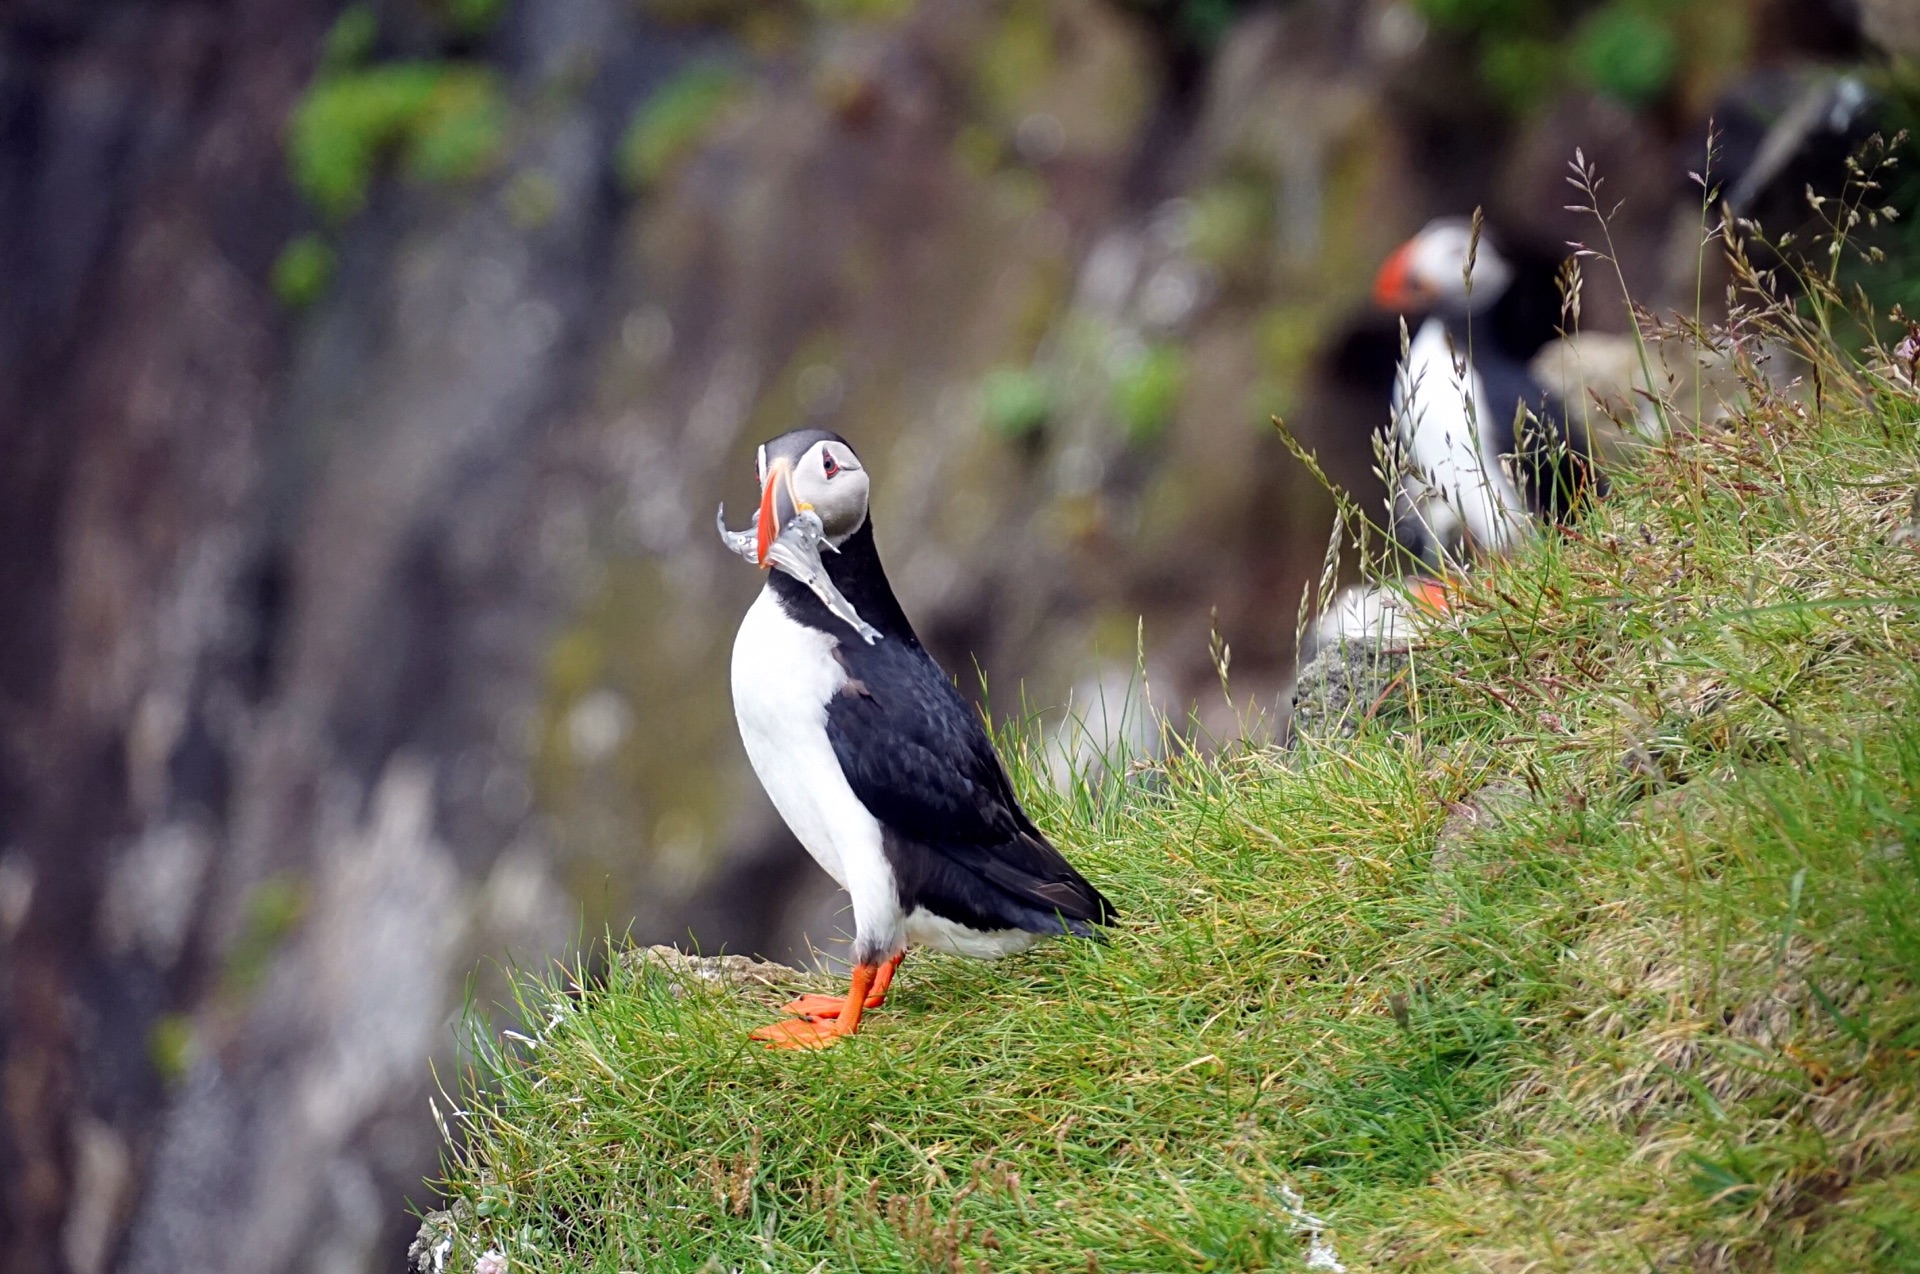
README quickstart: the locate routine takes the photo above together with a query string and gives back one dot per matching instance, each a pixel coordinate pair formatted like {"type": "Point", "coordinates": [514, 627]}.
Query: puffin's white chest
{"type": "Point", "coordinates": [784, 675]}
{"type": "Point", "coordinates": [1442, 418]}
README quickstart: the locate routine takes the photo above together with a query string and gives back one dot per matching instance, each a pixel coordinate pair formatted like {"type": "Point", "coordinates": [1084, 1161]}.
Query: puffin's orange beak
{"type": "Point", "coordinates": [1393, 287]}
{"type": "Point", "coordinates": [777, 508]}
{"type": "Point", "coordinates": [1429, 595]}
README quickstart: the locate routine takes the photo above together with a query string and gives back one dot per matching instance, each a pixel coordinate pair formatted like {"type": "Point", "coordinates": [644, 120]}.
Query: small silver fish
{"type": "Point", "coordinates": [796, 550]}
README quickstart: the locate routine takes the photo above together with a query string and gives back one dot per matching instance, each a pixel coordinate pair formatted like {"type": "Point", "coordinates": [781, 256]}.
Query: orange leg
{"type": "Point", "coordinates": [801, 1033]}
{"type": "Point", "coordinates": [815, 1007]}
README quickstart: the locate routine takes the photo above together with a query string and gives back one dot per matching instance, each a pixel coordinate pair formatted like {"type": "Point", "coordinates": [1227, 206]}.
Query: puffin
{"type": "Point", "coordinates": [883, 772]}
{"type": "Point", "coordinates": [1487, 452]}
{"type": "Point", "coordinates": [1490, 452]}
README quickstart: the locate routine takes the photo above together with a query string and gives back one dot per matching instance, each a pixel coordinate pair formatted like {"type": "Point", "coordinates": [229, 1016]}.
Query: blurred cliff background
{"type": "Point", "coordinates": [369, 376]}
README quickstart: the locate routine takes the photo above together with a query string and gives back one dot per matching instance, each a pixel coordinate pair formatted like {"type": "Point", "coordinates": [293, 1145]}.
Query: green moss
{"type": "Point", "coordinates": [1627, 52]}
{"type": "Point", "coordinates": [674, 121]}
{"type": "Point", "coordinates": [1527, 51]}
{"type": "Point", "coordinates": [349, 42]}
{"type": "Point", "coordinates": [171, 1047]}
{"type": "Point", "coordinates": [1231, 224]}
{"type": "Point", "coordinates": [1523, 71]}
{"type": "Point", "coordinates": [1015, 402]}
{"type": "Point", "coordinates": [273, 911]}
{"type": "Point", "coordinates": [302, 271]}
{"type": "Point", "coordinates": [445, 121]}
{"type": "Point", "coordinates": [1146, 393]}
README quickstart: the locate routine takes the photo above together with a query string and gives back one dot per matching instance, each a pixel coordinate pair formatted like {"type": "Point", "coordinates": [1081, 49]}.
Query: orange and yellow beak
{"type": "Point", "coordinates": [1395, 288]}
{"type": "Point", "coordinates": [1428, 595]}
{"type": "Point", "coordinates": [777, 508]}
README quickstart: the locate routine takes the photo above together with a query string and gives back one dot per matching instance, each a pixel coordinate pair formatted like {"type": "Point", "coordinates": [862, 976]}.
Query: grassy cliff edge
{"type": "Point", "coordinates": [1600, 950]}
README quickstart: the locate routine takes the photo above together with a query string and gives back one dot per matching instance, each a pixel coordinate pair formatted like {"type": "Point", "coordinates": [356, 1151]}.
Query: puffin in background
{"type": "Point", "coordinates": [1489, 451]}
{"type": "Point", "coordinates": [882, 771]}
{"type": "Point", "coordinates": [1485, 452]}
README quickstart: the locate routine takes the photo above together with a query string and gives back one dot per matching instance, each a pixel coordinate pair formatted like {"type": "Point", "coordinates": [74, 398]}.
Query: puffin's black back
{"type": "Point", "coordinates": [1554, 465]}
{"type": "Point", "coordinates": [918, 757]}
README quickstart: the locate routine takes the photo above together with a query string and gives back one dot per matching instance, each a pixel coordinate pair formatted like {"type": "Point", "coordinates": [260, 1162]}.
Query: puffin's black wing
{"type": "Point", "coordinates": [918, 757]}
{"type": "Point", "coordinates": [1554, 465]}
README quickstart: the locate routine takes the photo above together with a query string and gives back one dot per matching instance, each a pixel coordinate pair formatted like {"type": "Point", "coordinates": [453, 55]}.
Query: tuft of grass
{"type": "Point", "coordinates": [1656, 1007]}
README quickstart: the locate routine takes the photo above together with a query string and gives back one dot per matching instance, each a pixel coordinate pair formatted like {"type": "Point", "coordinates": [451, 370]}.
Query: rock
{"type": "Point", "coordinates": [1485, 809]}
{"type": "Point", "coordinates": [1347, 683]}
{"type": "Point", "coordinates": [431, 1251]}
{"type": "Point", "coordinates": [743, 973]}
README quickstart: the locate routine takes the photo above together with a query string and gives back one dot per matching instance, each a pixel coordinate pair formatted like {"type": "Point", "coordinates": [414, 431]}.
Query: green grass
{"type": "Point", "coordinates": [1663, 1013]}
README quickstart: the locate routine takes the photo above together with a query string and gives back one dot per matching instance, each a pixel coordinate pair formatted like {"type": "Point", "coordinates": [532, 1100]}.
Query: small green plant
{"type": "Point", "coordinates": [350, 39]}
{"type": "Point", "coordinates": [674, 121]}
{"type": "Point", "coordinates": [1526, 51]}
{"type": "Point", "coordinates": [171, 1047]}
{"type": "Point", "coordinates": [445, 121]}
{"type": "Point", "coordinates": [1015, 402]}
{"type": "Point", "coordinates": [302, 271]}
{"type": "Point", "coordinates": [274, 909]}
{"type": "Point", "coordinates": [1146, 392]}
{"type": "Point", "coordinates": [1522, 71]}
{"type": "Point", "coordinates": [1627, 52]}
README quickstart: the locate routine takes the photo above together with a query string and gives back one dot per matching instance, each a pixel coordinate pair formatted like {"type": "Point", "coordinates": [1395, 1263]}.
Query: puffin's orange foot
{"type": "Point", "coordinates": [867, 988]}
{"type": "Point", "coordinates": [824, 1006]}
{"type": "Point", "coordinates": [815, 1007]}
{"type": "Point", "coordinates": [798, 1033]}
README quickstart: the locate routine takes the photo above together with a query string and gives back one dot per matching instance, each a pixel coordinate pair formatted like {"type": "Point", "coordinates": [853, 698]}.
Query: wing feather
{"type": "Point", "coordinates": [918, 756]}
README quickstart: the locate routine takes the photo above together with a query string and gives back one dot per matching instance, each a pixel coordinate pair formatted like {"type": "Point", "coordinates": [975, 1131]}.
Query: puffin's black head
{"type": "Point", "coordinates": [809, 469]}
{"type": "Point", "coordinates": [1428, 273]}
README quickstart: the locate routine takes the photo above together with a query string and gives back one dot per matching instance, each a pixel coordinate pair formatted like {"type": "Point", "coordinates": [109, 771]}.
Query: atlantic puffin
{"type": "Point", "coordinates": [1490, 452]}
{"type": "Point", "coordinates": [881, 769]}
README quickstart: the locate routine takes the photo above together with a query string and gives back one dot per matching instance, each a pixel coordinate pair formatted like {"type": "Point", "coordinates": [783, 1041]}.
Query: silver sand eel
{"type": "Point", "coordinates": [796, 550]}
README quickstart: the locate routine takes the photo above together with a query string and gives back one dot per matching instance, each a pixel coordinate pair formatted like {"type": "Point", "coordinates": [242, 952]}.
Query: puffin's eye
{"type": "Point", "coordinates": [829, 464]}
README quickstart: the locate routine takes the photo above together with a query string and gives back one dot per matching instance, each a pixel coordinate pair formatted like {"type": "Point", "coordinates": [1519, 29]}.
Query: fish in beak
{"type": "Point", "coordinates": [787, 534]}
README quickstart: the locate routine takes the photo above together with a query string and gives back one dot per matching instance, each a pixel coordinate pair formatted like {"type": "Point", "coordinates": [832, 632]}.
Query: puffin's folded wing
{"type": "Point", "coordinates": [918, 757]}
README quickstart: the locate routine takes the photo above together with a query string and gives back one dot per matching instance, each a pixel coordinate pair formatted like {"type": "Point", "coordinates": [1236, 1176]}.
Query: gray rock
{"type": "Point", "coordinates": [1346, 684]}
{"type": "Point", "coordinates": [1484, 810]}
{"type": "Point", "coordinates": [432, 1249]}
{"type": "Point", "coordinates": [735, 972]}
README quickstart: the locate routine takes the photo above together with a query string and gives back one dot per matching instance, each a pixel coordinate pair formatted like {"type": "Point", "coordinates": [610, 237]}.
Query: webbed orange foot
{"type": "Point", "coordinates": [822, 1006]}
{"type": "Point", "coordinates": [798, 1033]}
{"type": "Point", "coordinates": [815, 1007]}
{"type": "Point", "coordinates": [805, 1033]}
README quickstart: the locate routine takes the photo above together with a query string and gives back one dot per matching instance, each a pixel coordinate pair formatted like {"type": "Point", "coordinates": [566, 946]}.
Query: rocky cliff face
{"type": "Point", "coordinates": [347, 648]}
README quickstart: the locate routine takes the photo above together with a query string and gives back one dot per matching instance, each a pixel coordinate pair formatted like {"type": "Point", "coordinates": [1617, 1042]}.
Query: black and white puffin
{"type": "Point", "coordinates": [1490, 452]}
{"type": "Point", "coordinates": [883, 772]}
